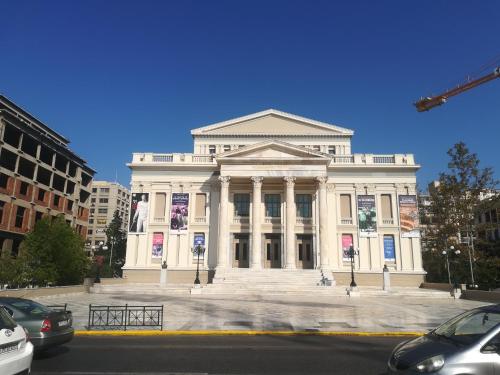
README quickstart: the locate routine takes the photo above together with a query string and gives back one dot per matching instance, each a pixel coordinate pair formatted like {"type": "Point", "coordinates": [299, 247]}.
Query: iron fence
{"type": "Point", "coordinates": [124, 316]}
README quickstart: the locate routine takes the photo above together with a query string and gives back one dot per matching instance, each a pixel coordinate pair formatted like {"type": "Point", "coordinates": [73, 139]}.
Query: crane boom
{"type": "Point", "coordinates": [428, 103]}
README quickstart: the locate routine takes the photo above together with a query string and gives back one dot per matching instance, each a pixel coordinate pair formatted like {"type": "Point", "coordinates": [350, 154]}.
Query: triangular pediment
{"type": "Point", "coordinates": [271, 122]}
{"type": "Point", "coordinates": [272, 150]}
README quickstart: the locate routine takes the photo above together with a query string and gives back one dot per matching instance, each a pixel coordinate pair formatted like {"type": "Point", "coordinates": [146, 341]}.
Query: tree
{"type": "Point", "coordinates": [55, 253]}
{"type": "Point", "coordinates": [116, 240]}
{"type": "Point", "coordinates": [452, 207]}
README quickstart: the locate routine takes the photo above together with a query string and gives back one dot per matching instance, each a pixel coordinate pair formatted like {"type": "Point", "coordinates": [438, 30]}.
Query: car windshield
{"type": "Point", "coordinates": [469, 327]}
{"type": "Point", "coordinates": [30, 307]}
{"type": "Point", "coordinates": [6, 321]}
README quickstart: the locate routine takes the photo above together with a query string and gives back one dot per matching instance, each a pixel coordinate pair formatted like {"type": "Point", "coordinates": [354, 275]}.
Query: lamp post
{"type": "Point", "coordinates": [99, 261]}
{"type": "Point", "coordinates": [352, 253]}
{"type": "Point", "coordinates": [455, 253]}
{"type": "Point", "coordinates": [199, 250]}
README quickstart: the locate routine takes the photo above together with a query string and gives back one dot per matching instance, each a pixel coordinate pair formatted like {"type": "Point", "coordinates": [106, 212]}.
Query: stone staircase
{"type": "Point", "coordinates": [141, 289]}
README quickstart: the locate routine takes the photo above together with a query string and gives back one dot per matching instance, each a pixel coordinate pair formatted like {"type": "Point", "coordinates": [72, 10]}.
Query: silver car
{"type": "Point", "coordinates": [465, 345]}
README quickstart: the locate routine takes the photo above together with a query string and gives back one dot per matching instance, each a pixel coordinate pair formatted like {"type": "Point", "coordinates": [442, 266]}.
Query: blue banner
{"type": "Point", "coordinates": [389, 249]}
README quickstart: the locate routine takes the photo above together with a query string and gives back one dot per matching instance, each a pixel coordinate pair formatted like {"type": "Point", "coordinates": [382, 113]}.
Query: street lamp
{"type": "Point", "coordinates": [98, 262]}
{"type": "Point", "coordinates": [455, 253]}
{"type": "Point", "coordinates": [199, 250]}
{"type": "Point", "coordinates": [352, 253]}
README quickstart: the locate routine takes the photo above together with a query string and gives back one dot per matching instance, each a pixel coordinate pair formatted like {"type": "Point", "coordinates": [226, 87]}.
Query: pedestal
{"type": "Point", "coordinates": [387, 281]}
{"type": "Point", "coordinates": [163, 277]}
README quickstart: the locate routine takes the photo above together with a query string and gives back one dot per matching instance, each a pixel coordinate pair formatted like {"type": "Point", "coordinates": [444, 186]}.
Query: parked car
{"type": "Point", "coordinates": [46, 327]}
{"type": "Point", "coordinates": [16, 351]}
{"type": "Point", "coordinates": [467, 344]}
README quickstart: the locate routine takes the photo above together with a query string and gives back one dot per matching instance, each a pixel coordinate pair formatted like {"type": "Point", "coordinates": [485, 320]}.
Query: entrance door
{"type": "Point", "coordinates": [240, 251]}
{"type": "Point", "coordinates": [272, 252]}
{"type": "Point", "coordinates": [304, 252]}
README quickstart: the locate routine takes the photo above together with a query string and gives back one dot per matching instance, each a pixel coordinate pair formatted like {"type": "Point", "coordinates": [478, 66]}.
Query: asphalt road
{"type": "Point", "coordinates": [218, 355]}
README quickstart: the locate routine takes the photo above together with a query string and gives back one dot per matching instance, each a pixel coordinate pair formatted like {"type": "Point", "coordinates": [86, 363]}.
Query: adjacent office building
{"type": "Point", "coordinates": [39, 176]}
{"type": "Point", "coordinates": [274, 192]}
{"type": "Point", "coordinates": [107, 197]}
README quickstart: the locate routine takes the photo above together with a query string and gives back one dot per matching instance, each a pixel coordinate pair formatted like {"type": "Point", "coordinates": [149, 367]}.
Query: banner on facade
{"type": "Point", "coordinates": [367, 216]}
{"type": "Point", "coordinates": [199, 241]}
{"type": "Point", "coordinates": [179, 212]}
{"type": "Point", "coordinates": [346, 246]}
{"type": "Point", "coordinates": [408, 216]}
{"type": "Point", "coordinates": [389, 248]}
{"type": "Point", "coordinates": [138, 212]}
{"type": "Point", "coordinates": [157, 245]}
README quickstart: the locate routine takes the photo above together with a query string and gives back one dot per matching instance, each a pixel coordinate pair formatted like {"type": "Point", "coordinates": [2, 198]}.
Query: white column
{"type": "Point", "coordinates": [223, 227]}
{"type": "Point", "coordinates": [323, 224]}
{"type": "Point", "coordinates": [290, 222]}
{"type": "Point", "coordinates": [256, 223]}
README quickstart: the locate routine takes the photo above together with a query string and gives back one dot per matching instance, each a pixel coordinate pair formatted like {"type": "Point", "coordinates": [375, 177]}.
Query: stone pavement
{"type": "Point", "coordinates": [318, 313]}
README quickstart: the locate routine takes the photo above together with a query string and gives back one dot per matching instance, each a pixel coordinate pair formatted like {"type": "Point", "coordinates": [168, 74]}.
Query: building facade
{"type": "Point", "coordinates": [39, 176]}
{"type": "Point", "coordinates": [273, 190]}
{"type": "Point", "coordinates": [106, 198]}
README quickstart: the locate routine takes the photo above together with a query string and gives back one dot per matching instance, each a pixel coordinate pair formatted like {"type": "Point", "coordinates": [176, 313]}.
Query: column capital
{"type": "Point", "coordinates": [290, 181]}
{"type": "Point", "coordinates": [257, 181]}
{"type": "Point", "coordinates": [322, 181]}
{"type": "Point", "coordinates": [224, 180]}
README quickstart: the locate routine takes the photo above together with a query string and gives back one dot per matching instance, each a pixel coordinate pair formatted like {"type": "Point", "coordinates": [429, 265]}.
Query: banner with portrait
{"type": "Point", "coordinates": [179, 212]}
{"type": "Point", "coordinates": [157, 245]}
{"type": "Point", "coordinates": [139, 207]}
{"type": "Point", "coordinates": [199, 244]}
{"type": "Point", "coordinates": [367, 216]}
{"type": "Point", "coordinates": [346, 246]}
{"type": "Point", "coordinates": [408, 216]}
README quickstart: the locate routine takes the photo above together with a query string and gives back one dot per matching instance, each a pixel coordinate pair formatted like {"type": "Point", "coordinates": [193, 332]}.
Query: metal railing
{"type": "Point", "coordinates": [124, 316]}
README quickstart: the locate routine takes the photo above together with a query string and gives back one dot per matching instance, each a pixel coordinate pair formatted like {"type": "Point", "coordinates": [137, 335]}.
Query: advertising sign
{"type": "Point", "coordinates": [346, 245]}
{"type": "Point", "coordinates": [138, 212]}
{"type": "Point", "coordinates": [179, 212]}
{"type": "Point", "coordinates": [408, 216]}
{"type": "Point", "coordinates": [157, 245]}
{"type": "Point", "coordinates": [367, 216]}
{"type": "Point", "coordinates": [199, 240]}
{"type": "Point", "coordinates": [389, 250]}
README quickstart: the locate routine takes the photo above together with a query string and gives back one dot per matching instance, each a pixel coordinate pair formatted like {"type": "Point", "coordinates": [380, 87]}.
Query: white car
{"type": "Point", "coordinates": [16, 351]}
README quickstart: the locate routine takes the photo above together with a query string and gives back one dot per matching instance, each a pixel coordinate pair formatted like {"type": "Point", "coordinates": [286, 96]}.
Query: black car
{"type": "Point", "coordinates": [46, 327]}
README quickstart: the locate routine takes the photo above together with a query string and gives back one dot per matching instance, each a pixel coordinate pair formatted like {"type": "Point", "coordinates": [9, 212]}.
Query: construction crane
{"type": "Point", "coordinates": [427, 103]}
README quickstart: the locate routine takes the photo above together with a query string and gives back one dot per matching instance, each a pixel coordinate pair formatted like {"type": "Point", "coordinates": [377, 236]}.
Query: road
{"type": "Point", "coordinates": [218, 355]}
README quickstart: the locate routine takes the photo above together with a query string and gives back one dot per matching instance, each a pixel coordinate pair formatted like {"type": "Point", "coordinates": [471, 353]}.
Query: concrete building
{"type": "Point", "coordinates": [106, 198]}
{"type": "Point", "coordinates": [39, 176]}
{"type": "Point", "coordinates": [273, 193]}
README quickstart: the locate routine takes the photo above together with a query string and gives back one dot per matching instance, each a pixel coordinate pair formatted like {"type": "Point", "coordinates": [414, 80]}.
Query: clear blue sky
{"type": "Point", "coordinates": [141, 74]}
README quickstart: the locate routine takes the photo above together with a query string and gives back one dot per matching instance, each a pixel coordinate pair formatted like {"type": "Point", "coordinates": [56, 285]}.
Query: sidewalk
{"type": "Point", "coordinates": [281, 313]}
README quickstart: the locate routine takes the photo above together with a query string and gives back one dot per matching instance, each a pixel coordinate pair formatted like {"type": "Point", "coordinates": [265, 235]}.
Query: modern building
{"type": "Point", "coordinates": [107, 197]}
{"type": "Point", "coordinates": [273, 190]}
{"type": "Point", "coordinates": [39, 176]}
{"type": "Point", "coordinates": [488, 218]}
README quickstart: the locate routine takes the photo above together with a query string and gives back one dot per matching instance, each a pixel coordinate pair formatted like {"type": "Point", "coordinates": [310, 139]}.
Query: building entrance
{"type": "Point", "coordinates": [304, 252]}
{"type": "Point", "coordinates": [240, 251]}
{"type": "Point", "coordinates": [272, 251]}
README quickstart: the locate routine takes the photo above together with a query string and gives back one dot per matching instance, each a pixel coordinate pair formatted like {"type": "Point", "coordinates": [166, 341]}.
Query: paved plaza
{"type": "Point", "coordinates": [275, 312]}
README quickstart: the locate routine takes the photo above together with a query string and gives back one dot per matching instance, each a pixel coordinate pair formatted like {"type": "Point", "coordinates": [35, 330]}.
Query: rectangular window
{"type": "Point", "coordinates": [104, 190]}
{"type": "Point", "coordinates": [227, 148]}
{"type": "Point", "coordinates": [94, 190]}
{"type": "Point", "coordinates": [92, 200]}
{"type": "Point", "coordinates": [389, 251]}
{"type": "Point", "coordinates": [23, 189]}
{"type": "Point", "coordinates": [160, 202]}
{"type": "Point", "coordinates": [201, 205]}
{"type": "Point", "coordinates": [241, 204]}
{"type": "Point", "coordinates": [4, 179]}
{"type": "Point", "coordinates": [41, 194]}
{"type": "Point", "coordinates": [304, 205]}
{"type": "Point", "coordinates": [273, 205]}
{"type": "Point", "coordinates": [56, 200]}
{"type": "Point", "coordinates": [386, 206]}
{"type": "Point", "coordinates": [102, 211]}
{"type": "Point", "coordinates": [212, 149]}
{"type": "Point", "coordinates": [316, 148]}
{"type": "Point", "coordinates": [331, 150]}
{"type": "Point", "coordinates": [19, 217]}
{"type": "Point", "coordinates": [103, 200]}
{"type": "Point", "coordinates": [38, 216]}
{"type": "Point", "coordinates": [2, 205]}
{"type": "Point", "coordinates": [70, 205]}
{"type": "Point", "coordinates": [89, 231]}
{"type": "Point", "coordinates": [345, 206]}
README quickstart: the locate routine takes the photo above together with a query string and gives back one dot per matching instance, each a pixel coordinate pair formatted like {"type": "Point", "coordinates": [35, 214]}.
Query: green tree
{"type": "Point", "coordinates": [55, 253]}
{"type": "Point", "coordinates": [116, 240]}
{"type": "Point", "coordinates": [452, 207]}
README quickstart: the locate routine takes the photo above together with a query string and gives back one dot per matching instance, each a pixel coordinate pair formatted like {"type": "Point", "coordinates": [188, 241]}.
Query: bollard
{"type": "Point", "coordinates": [387, 278]}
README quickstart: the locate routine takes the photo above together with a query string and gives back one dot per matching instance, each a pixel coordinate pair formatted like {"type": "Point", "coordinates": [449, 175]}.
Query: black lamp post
{"type": "Point", "coordinates": [352, 253]}
{"type": "Point", "coordinates": [454, 253]}
{"type": "Point", "coordinates": [100, 247]}
{"type": "Point", "coordinates": [199, 249]}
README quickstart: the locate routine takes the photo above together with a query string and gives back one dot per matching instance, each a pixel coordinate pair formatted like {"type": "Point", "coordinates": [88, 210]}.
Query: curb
{"type": "Point", "coordinates": [242, 333]}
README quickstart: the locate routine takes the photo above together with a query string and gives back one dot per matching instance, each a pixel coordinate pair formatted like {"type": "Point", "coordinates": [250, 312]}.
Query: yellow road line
{"type": "Point", "coordinates": [241, 333]}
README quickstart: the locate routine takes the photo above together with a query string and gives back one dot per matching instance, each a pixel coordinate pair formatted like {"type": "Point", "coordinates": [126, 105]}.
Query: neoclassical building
{"type": "Point", "coordinates": [273, 190]}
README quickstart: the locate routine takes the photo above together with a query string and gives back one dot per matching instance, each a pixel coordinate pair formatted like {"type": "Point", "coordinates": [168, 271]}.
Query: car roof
{"type": "Point", "coordinates": [12, 299]}
{"type": "Point", "coordinates": [490, 308]}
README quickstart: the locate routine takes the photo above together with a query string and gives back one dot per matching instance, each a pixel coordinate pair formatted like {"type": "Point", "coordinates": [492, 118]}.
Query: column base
{"type": "Point", "coordinates": [290, 267]}
{"type": "Point", "coordinates": [255, 267]}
